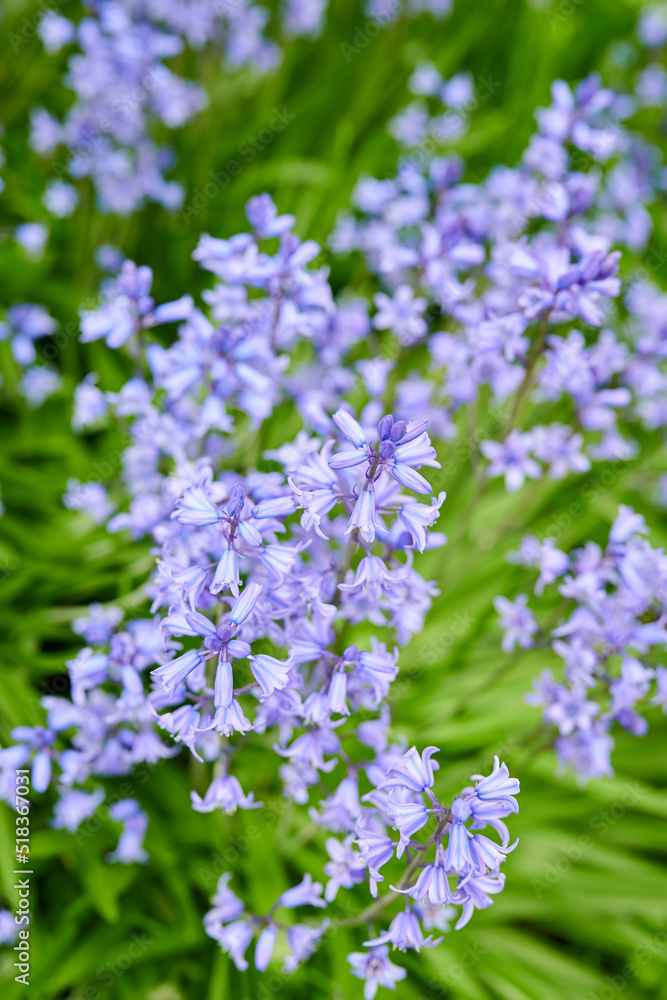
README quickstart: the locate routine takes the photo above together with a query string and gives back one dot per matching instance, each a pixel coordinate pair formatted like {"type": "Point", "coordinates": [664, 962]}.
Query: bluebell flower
{"type": "Point", "coordinates": [497, 786]}
{"type": "Point", "coordinates": [229, 720]}
{"type": "Point", "coordinates": [544, 556]}
{"type": "Point", "coordinates": [234, 940]}
{"type": "Point", "coordinates": [196, 508]}
{"type": "Point", "coordinates": [172, 674]}
{"type": "Point", "coordinates": [458, 856]}
{"type": "Point", "coordinates": [432, 883]}
{"type": "Point", "coordinates": [476, 894]}
{"type": "Point", "coordinates": [73, 807]}
{"type": "Point", "coordinates": [271, 674]}
{"type": "Point", "coordinates": [227, 905]}
{"type": "Point", "coordinates": [135, 821]}
{"type": "Point", "coordinates": [263, 217]}
{"type": "Point", "coordinates": [346, 867]}
{"type": "Point", "coordinates": [59, 198]}
{"type": "Point", "coordinates": [404, 933]}
{"type": "Point", "coordinates": [90, 403]}
{"type": "Point", "coordinates": [402, 314]}
{"type": "Point", "coordinates": [99, 624]}
{"type": "Point", "coordinates": [363, 516]}
{"type": "Point", "coordinates": [340, 811]}
{"type": "Point", "coordinates": [32, 236]}
{"type": "Point", "coordinates": [409, 817]}
{"type": "Point", "coordinates": [25, 324]}
{"type": "Point", "coordinates": [303, 940]}
{"type": "Point", "coordinates": [246, 603]}
{"type": "Point", "coordinates": [264, 948]}
{"type": "Point", "coordinates": [415, 772]}
{"type": "Point", "coordinates": [224, 793]}
{"type": "Point", "coordinates": [376, 848]}
{"type": "Point", "coordinates": [511, 459]}
{"type": "Point", "coordinates": [376, 970]}
{"type": "Point", "coordinates": [517, 621]}
{"type": "Point", "coordinates": [35, 742]}
{"type": "Point", "coordinates": [55, 31]}
{"type": "Point", "coordinates": [306, 893]}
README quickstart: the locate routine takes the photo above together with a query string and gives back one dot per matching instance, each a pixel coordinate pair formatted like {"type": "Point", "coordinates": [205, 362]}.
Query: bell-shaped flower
{"type": "Point", "coordinates": [414, 772]}
{"type": "Point", "coordinates": [234, 939]}
{"type": "Point", "coordinates": [224, 793]}
{"type": "Point", "coordinates": [404, 933]}
{"type": "Point", "coordinates": [408, 818]}
{"type": "Point", "coordinates": [271, 674]}
{"type": "Point", "coordinates": [306, 893]}
{"type": "Point", "coordinates": [196, 508]}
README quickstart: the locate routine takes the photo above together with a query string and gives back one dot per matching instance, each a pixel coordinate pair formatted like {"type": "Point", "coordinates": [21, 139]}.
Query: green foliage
{"type": "Point", "coordinates": [584, 914]}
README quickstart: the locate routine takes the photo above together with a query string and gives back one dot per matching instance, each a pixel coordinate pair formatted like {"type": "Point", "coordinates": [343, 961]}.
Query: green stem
{"type": "Point", "coordinates": [534, 357]}
{"type": "Point", "coordinates": [380, 904]}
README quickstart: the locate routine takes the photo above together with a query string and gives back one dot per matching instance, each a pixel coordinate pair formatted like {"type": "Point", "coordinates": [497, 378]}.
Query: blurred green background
{"type": "Point", "coordinates": [584, 914]}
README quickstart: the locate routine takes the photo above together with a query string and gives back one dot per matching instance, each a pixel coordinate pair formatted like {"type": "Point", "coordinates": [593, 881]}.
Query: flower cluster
{"type": "Point", "coordinates": [280, 463]}
{"type": "Point", "coordinates": [261, 578]}
{"type": "Point", "coordinates": [453, 99]}
{"type": "Point", "coordinates": [607, 640]}
{"type": "Point", "coordinates": [403, 800]}
{"type": "Point", "coordinates": [124, 88]}
{"type": "Point", "coordinates": [512, 282]}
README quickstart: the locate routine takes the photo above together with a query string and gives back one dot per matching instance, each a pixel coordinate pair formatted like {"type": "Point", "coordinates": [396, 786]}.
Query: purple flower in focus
{"type": "Point", "coordinates": [376, 970]}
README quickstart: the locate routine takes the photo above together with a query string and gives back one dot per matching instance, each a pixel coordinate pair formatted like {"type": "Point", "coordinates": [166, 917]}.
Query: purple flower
{"type": "Point", "coordinates": [302, 941]}
{"type": "Point", "coordinates": [511, 459]}
{"type": "Point", "coordinates": [234, 940]}
{"type": "Point", "coordinates": [376, 970]}
{"type": "Point", "coordinates": [264, 949]}
{"type": "Point", "coordinates": [571, 711]}
{"type": "Point", "coordinates": [345, 869]}
{"type": "Point", "coordinates": [74, 807]}
{"type": "Point", "coordinates": [415, 772]}
{"type": "Point", "coordinates": [404, 933]}
{"type": "Point", "coordinates": [376, 848]}
{"type": "Point", "coordinates": [98, 625]}
{"type": "Point", "coordinates": [227, 907]}
{"type": "Point", "coordinates": [306, 893]}
{"type": "Point", "coordinates": [544, 556]}
{"type": "Point", "coordinates": [25, 324]}
{"type": "Point", "coordinates": [271, 674]}
{"type": "Point", "coordinates": [476, 894]}
{"type": "Point", "coordinates": [32, 236]}
{"type": "Point", "coordinates": [409, 817]}
{"type": "Point", "coordinates": [517, 622]}
{"type": "Point", "coordinates": [224, 793]}
{"type": "Point", "coordinates": [60, 199]}
{"type": "Point", "coordinates": [432, 883]}
{"type": "Point", "coordinates": [135, 821]}
{"type": "Point", "coordinates": [497, 787]}
{"type": "Point", "coordinates": [401, 314]}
